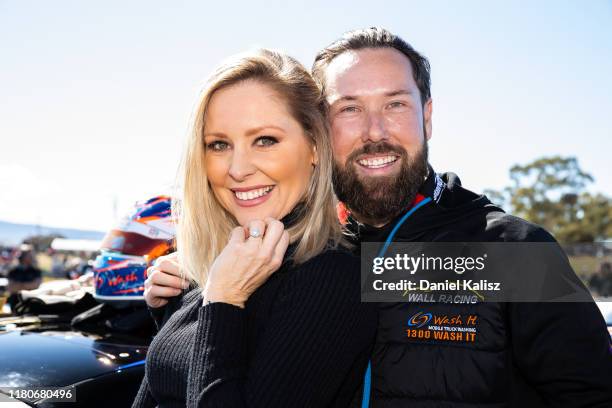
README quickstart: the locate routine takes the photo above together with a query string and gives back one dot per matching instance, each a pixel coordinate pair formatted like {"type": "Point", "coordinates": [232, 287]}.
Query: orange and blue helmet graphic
{"type": "Point", "coordinates": [119, 276]}
{"type": "Point", "coordinates": [143, 235]}
{"type": "Point", "coordinates": [148, 230]}
{"type": "Point", "coordinates": [154, 208]}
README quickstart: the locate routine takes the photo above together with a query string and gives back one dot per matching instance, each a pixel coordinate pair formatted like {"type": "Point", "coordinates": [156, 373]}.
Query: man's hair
{"type": "Point", "coordinates": [374, 37]}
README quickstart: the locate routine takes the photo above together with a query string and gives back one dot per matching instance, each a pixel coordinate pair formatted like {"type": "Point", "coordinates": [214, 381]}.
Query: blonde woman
{"type": "Point", "coordinates": [273, 317]}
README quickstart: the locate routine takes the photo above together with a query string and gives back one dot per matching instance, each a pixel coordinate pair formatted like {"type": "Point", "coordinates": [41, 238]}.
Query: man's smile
{"type": "Point", "coordinates": [377, 164]}
{"type": "Point", "coordinates": [377, 161]}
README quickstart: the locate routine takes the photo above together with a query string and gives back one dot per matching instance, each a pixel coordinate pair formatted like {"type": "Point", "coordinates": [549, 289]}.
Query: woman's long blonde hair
{"type": "Point", "coordinates": [203, 225]}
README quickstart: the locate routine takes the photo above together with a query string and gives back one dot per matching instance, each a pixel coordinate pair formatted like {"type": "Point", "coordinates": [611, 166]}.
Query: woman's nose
{"type": "Point", "coordinates": [241, 166]}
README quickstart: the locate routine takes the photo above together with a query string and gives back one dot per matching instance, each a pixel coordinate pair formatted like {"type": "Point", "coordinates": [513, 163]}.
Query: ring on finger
{"type": "Point", "coordinates": [254, 232]}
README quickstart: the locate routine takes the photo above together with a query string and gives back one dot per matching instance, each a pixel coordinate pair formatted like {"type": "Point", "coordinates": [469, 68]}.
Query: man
{"type": "Point", "coordinates": [377, 88]}
{"type": "Point", "coordinates": [24, 276]}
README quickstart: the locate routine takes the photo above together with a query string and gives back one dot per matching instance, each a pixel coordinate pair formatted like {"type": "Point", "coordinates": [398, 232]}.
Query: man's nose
{"type": "Point", "coordinates": [242, 165]}
{"type": "Point", "coordinates": [375, 129]}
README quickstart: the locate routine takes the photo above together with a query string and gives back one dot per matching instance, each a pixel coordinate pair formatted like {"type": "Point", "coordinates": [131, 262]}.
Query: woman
{"type": "Point", "coordinates": [275, 319]}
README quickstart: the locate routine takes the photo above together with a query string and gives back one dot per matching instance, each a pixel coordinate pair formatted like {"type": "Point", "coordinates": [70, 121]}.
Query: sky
{"type": "Point", "coordinates": [96, 96]}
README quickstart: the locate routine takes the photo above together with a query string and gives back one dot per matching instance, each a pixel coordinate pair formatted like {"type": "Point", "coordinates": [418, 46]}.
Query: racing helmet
{"type": "Point", "coordinates": [128, 249]}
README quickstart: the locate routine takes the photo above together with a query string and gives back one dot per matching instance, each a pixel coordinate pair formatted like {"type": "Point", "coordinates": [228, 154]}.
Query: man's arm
{"type": "Point", "coordinates": [161, 314]}
{"type": "Point", "coordinates": [16, 286]}
{"type": "Point", "coordinates": [163, 286]}
{"type": "Point", "coordinates": [563, 350]}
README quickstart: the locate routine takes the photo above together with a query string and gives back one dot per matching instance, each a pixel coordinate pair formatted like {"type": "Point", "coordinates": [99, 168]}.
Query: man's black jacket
{"type": "Point", "coordinates": [523, 354]}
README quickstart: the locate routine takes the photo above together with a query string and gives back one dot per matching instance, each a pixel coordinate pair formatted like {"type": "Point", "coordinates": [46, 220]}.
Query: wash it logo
{"type": "Point", "coordinates": [443, 328]}
{"type": "Point", "coordinates": [419, 320]}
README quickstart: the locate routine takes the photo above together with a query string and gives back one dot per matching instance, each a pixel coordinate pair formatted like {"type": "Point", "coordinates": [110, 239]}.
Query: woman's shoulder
{"type": "Point", "coordinates": [332, 278]}
{"type": "Point", "coordinates": [191, 294]}
{"type": "Point", "coordinates": [332, 264]}
{"type": "Point", "coordinates": [335, 254]}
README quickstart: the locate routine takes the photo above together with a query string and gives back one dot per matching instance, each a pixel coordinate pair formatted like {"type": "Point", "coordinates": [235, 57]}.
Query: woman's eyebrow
{"type": "Point", "coordinates": [215, 134]}
{"type": "Point", "coordinates": [258, 129]}
{"type": "Point", "coordinates": [249, 132]}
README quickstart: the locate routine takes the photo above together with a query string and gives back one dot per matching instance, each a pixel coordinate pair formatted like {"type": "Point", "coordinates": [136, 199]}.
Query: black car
{"type": "Point", "coordinates": [97, 356]}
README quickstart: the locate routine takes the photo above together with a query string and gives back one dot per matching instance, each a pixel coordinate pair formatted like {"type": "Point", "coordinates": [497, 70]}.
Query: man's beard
{"type": "Point", "coordinates": [379, 199]}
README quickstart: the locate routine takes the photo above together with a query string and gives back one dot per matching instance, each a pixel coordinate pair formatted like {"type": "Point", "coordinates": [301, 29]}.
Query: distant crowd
{"type": "Point", "coordinates": [19, 267]}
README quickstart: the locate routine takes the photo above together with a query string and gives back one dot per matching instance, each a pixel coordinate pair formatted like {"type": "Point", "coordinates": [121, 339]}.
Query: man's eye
{"type": "Point", "coordinates": [265, 141]}
{"type": "Point", "coordinates": [349, 109]}
{"type": "Point", "coordinates": [217, 146]}
{"type": "Point", "coordinates": [397, 104]}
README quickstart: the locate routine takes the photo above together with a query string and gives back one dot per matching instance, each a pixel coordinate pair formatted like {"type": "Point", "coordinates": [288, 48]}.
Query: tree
{"type": "Point", "coordinates": [41, 242]}
{"type": "Point", "coordinates": [551, 192]}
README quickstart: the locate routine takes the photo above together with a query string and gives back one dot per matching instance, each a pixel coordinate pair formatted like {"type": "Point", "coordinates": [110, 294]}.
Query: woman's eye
{"type": "Point", "coordinates": [217, 146]}
{"type": "Point", "coordinates": [266, 141]}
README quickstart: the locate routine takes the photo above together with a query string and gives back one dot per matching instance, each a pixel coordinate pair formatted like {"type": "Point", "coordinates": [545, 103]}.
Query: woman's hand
{"type": "Point", "coordinates": [163, 281]}
{"type": "Point", "coordinates": [248, 260]}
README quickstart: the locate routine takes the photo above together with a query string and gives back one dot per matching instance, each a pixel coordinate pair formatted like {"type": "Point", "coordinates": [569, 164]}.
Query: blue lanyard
{"type": "Point", "coordinates": [367, 381]}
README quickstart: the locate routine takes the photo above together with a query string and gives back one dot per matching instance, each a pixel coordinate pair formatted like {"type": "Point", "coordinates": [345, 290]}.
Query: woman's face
{"type": "Point", "coordinates": [258, 159]}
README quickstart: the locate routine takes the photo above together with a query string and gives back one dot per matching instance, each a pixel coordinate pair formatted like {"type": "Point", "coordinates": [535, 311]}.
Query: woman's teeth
{"type": "Point", "coordinates": [377, 162]}
{"type": "Point", "coordinates": [252, 194]}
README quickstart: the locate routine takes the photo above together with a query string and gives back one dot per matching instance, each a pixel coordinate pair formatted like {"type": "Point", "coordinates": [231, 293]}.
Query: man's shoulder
{"type": "Point", "coordinates": [498, 225]}
{"type": "Point", "coordinates": [14, 271]}
{"type": "Point", "coordinates": [510, 228]}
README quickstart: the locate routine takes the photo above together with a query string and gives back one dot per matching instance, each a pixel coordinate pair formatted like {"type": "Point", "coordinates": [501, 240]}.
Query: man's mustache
{"type": "Point", "coordinates": [376, 148]}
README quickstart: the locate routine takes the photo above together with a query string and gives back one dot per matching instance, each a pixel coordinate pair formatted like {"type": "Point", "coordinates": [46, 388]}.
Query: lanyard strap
{"type": "Point", "coordinates": [367, 380]}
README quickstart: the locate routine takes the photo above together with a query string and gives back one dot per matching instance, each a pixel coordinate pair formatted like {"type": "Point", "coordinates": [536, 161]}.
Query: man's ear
{"type": "Point", "coordinates": [427, 110]}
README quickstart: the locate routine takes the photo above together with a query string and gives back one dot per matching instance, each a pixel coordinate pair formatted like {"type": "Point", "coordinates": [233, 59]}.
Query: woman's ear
{"type": "Point", "coordinates": [315, 156]}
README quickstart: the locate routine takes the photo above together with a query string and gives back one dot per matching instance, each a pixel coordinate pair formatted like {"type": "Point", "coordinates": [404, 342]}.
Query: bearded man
{"type": "Point", "coordinates": [377, 89]}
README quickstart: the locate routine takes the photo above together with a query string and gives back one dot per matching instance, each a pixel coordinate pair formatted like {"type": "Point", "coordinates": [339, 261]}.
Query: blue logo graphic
{"type": "Point", "coordinates": [419, 320]}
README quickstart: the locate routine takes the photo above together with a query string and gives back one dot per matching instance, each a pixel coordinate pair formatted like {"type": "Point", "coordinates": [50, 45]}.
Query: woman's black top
{"type": "Point", "coordinates": [303, 340]}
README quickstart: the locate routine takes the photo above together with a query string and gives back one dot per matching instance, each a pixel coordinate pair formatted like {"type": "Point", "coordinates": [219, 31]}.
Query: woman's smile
{"type": "Point", "coordinates": [252, 196]}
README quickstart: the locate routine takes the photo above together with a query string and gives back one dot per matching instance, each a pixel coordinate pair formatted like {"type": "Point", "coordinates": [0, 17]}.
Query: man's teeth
{"type": "Point", "coordinates": [377, 162]}
{"type": "Point", "coordinates": [252, 194]}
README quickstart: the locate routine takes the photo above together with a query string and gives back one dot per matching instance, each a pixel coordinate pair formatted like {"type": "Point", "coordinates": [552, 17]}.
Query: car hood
{"type": "Point", "coordinates": [56, 357]}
